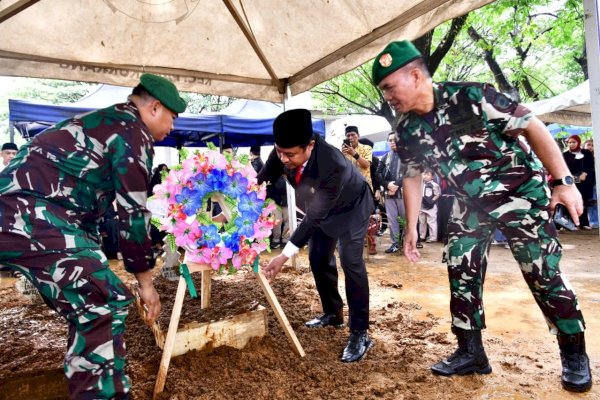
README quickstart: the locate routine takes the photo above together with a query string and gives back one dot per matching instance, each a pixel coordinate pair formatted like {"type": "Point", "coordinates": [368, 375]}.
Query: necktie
{"type": "Point", "coordinates": [298, 175]}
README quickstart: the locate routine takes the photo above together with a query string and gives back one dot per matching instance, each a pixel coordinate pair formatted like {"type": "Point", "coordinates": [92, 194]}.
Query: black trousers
{"type": "Point", "coordinates": [323, 265]}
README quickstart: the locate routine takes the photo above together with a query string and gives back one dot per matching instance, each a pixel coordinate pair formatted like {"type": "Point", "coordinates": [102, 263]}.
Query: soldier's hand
{"type": "Point", "coordinates": [149, 296]}
{"type": "Point", "coordinates": [410, 245]}
{"type": "Point", "coordinates": [570, 197]}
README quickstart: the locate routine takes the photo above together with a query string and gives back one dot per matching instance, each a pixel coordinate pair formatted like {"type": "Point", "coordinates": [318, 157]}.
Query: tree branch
{"type": "Point", "coordinates": [446, 43]}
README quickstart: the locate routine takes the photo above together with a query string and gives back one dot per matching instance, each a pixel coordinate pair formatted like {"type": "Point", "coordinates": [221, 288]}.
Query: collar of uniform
{"type": "Point", "coordinates": [440, 97]}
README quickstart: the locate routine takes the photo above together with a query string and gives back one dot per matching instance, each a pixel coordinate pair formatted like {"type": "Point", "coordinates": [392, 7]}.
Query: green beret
{"type": "Point", "coordinates": [164, 91]}
{"type": "Point", "coordinates": [395, 56]}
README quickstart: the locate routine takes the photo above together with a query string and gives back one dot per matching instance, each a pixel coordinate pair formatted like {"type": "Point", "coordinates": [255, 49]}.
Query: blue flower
{"type": "Point", "coordinates": [237, 185]}
{"type": "Point", "coordinates": [210, 236]}
{"type": "Point", "coordinates": [190, 200]}
{"type": "Point", "coordinates": [218, 180]}
{"type": "Point", "coordinates": [232, 241]}
{"type": "Point", "coordinates": [250, 206]}
{"type": "Point", "coordinates": [245, 226]}
{"type": "Point", "coordinates": [201, 184]}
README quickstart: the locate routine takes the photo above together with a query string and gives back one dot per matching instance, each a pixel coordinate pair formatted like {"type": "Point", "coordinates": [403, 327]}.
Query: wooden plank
{"type": "Point", "coordinates": [219, 198]}
{"type": "Point", "coordinates": [205, 289]}
{"type": "Point", "coordinates": [205, 281]}
{"type": "Point", "coordinates": [283, 321]}
{"type": "Point", "coordinates": [235, 332]}
{"type": "Point", "coordinates": [170, 340]}
{"type": "Point", "coordinates": [196, 267]}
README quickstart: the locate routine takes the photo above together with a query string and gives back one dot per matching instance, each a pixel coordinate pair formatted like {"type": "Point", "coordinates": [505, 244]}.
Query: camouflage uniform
{"type": "Point", "coordinates": [51, 198]}
{"type": "Point", "coordinates": [472, 139]}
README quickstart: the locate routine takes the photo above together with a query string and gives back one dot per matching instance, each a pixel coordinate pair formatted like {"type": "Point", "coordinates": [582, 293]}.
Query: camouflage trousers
{"type": "Point", "coordinates": [95, 306]}
{"type": "Point", "coordinates": [533, 242]}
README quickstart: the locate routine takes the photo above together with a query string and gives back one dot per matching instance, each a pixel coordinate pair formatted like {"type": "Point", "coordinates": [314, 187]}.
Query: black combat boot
{"type": "Point", "coordinates": [576, 374]}
{"type": "Point", "coordinates": [468, 358]}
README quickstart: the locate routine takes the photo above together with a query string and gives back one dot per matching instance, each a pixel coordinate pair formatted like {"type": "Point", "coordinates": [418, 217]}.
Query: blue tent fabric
{"type": "Point", "coordinates": [380, 148]}
{"type": "Point", "coordinates": [190, 130]}
{"type": "Point", "coordinates": [559, 130]}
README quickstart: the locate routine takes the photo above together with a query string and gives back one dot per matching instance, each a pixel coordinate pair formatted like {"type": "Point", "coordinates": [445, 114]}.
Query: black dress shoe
{"type": "Point", "coordinates": [358, 345]}
{"type": "Point", "coordinates": [336, 320]}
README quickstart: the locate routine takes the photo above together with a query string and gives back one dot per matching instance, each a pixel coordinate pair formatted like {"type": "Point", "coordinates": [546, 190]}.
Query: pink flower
{"type": "Point", "coordinates": [186, 234]}
{"type": "Point", "coordinates": [187, 230]}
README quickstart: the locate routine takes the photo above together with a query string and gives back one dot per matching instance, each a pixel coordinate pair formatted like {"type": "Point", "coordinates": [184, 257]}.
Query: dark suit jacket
{"type": "Point", "coordinates": [332, 193]}
{"type": "Point", "coordinates": [386, 175]}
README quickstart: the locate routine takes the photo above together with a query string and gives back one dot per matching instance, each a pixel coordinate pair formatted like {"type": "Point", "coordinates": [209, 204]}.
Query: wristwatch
{"type": "Point", "coordinates": [567, 181]}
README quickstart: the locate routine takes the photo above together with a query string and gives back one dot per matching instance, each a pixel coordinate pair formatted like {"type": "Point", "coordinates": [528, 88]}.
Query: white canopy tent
{"type": "Point", "coordinates": [251, 49]}
{"type": "Point", "coordinates": [372, 127]}
{"type": "Point", "coordinates": [570, 108]}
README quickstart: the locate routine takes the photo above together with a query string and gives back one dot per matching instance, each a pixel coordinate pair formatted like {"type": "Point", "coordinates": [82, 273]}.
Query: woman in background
{"type": "Point", "coordinates": [581, 164]}
{"type": "Point", "coordinates": [593, 203]}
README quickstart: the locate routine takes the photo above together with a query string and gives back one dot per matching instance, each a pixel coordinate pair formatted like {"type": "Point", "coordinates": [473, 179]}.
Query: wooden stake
{"type": "Point", "coordinates": [283, 321]}
{"type": "Point", "coordinates": [205, 289]}
{"type": "Point", "coordinates": [170, 340]}
{"type": "Point", "coordinates": [205, 281]}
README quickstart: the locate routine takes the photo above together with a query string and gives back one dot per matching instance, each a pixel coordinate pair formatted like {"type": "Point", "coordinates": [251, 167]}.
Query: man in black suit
{"type": "Point", "coordinates": [338, 202]}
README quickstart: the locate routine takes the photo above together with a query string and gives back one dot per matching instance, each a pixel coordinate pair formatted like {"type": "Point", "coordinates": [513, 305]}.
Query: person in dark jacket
{"type": "Point", "coordinates": [337, 203]}
{"type": "Point", "coordinates": [390, 174]}
{"type": "Point", "coordinates": [255, 160]}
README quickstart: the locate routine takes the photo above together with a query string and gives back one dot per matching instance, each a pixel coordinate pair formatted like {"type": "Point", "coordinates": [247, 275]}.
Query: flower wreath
{"type": "Point", "coordinates": [184, 196]}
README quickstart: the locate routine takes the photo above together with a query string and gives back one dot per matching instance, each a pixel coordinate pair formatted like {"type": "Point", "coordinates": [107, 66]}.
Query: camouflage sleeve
{"type": "Point", "coordinates": [130, 175]}
{"type": "Point", "coordinates": [410, 164]}
{"type": "Point", "coordinates": [499, 108]}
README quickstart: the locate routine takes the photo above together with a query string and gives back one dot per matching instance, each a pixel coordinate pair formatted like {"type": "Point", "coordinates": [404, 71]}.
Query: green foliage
{"type": "Point", "coordinates": [183, 153]}
{"type": "Point", "coordinates": [155, 221]}
{"type": "Point", "coordinates": [401, 222]}
{"type": "Point", "coordinates": [350, 93]}
{"type": "Point", "coordinates": [539, 41]}
{"type": "Point", "coordinates": [199, 103]}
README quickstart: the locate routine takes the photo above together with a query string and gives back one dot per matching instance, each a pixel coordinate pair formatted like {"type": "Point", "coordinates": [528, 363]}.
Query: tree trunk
{"type": "Point", "coordinates": [446, 43]}
{"type": "Point", "coordinates": [582, 61]}
{"type": "Point", "coordinates": [499, 76]}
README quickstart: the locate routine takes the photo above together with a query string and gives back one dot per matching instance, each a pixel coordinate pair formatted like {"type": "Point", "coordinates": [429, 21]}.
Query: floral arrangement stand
{"type": "Point", "coordinates": [184, 206]}
{"type": "Point", "coordinates": [234, 332]}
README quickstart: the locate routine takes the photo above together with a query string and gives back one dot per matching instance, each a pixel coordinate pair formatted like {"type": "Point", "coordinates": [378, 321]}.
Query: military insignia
{"type": "Point", "coordinates": [385, 60]}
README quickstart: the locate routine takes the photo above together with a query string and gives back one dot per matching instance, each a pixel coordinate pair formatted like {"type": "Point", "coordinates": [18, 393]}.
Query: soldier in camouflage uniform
{"type": "Point", "coordinates": [481, 142]}
{"type": "Point", "coordinates": [51, 198]}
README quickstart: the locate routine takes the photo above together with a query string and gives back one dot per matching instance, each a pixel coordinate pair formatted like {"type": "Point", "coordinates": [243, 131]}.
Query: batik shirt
{"type": "Point", "coordinates": [365, 152]}
{"type": "Point", "coordinates": [471, 137]}
{"type": "Point", "coordinates": [64, 180]}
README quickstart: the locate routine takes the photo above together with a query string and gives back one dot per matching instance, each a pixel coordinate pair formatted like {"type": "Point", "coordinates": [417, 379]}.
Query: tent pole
{"type": "Point", "coordinates": [291, 193]}
{"type": "Point", "coordinates": [11, 130]}
{"type": "Point", "coordinates": [592, 43]}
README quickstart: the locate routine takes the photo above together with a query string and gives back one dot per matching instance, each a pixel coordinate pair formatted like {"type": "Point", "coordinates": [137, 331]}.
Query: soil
{"type": "Point", "coordinates": [410, 325]}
